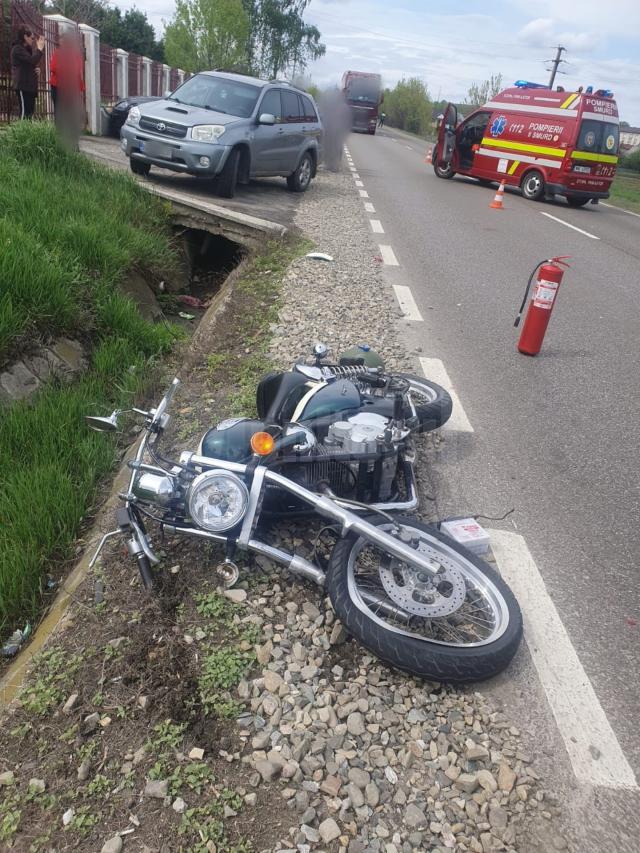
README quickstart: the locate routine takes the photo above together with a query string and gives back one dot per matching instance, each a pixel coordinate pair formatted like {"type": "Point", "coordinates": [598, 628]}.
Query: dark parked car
{"type": "Point", "coordinates": [119, 112]}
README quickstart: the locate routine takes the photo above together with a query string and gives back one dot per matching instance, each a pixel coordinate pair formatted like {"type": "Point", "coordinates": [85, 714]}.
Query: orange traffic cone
{"type": "Point", "coordinates": [428, 155]}
{"type": "Point", "coordinates": [497, 201]}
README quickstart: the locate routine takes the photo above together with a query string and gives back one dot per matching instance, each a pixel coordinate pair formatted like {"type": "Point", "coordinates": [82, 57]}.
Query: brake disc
{"type": "Point", "coordinates": [423, 594]}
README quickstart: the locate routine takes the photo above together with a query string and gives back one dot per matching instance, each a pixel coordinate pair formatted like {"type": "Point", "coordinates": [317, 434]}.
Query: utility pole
{"type": "Point", "coordinates": [555, 62]}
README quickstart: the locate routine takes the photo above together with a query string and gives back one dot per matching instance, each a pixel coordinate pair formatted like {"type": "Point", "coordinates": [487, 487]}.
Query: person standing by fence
{"type": "Point", "coordinates": [24, 60]}
{"type": "Point", "coordinates": [66, 78]}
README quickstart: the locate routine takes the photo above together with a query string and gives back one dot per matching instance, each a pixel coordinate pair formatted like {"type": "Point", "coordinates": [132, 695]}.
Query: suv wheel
{"type": "Point", "coordinates": [228, 177]}
{"type": "Point", "coordinates": [138, 167]}
{"type": "Point", "coordinates": [299, 181]}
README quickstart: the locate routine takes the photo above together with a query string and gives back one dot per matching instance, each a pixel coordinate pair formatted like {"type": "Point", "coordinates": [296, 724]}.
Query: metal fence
{"type": "Point", "coordinates": [157, 73]}
{"type": "Point", "coordinates": [135, 74]}
{"type": "Point", "coordinates": [22, 13]}
{"type": "Point", "coordinates": [108, 80]}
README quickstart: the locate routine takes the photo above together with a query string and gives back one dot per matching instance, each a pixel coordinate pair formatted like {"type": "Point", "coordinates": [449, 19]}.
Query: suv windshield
{"type": "Point", "coordinates": [219, 94]}
{"type": "Point", "coordinates": [598, 137]}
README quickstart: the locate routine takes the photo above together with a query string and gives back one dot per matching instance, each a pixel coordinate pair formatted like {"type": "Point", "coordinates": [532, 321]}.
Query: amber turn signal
{"type": "Point", "coordinates": [262, 443]}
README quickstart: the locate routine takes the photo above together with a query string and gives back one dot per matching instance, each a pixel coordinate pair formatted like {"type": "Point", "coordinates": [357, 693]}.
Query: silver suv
{"type": "Point", "coordinates": [230, 127]}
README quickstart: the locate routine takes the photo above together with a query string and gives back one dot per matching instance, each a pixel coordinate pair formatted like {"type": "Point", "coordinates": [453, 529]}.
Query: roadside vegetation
{"type": "Point", "coordinates": [69, 232]}
{"type": "Point", "coordinates": [151, 686]}
{"type": "Point", "coordinates": [625, 190]}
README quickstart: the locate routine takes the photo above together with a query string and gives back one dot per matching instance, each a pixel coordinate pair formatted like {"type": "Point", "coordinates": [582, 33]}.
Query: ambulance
{"type": "Point", "coordinates": [547, 142]}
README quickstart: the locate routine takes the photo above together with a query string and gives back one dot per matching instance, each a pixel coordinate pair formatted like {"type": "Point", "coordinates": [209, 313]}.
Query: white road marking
{"type": "Point", "coordinates": [407, 302]}
{"type": "Point", "coordinates": [359, 184]}
{"type": "Point", "coordinates": [594, 751]}
{"type": "Point", "coordinates": [388, 256]}
{"type": "Point", "coordinates": [569, 225]}
{"type": "Point", "coordinates": [435, 370]}
{"type": "Point", "coordinates": [356, 176]}
{"type": "Point", "coordinates": [353, 168]}
{"type": "Point", "coordinates": [363, 194]}
{"type": "Point", "coordinates": [409, 147]}
{"type": "Point", "coordinates": [622, 209]}
{"type": "Point", "coordinates": [376, 226]}
{"type": "Point", "coordinates": [369, 207]}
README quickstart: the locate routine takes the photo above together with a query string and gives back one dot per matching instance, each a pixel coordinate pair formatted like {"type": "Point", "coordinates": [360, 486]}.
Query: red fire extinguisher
{"type": "Point", "coordinates": [541, 305]}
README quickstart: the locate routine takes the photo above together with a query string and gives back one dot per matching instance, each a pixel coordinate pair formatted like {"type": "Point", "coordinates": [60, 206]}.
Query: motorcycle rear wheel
{"type": "Point", "coordinates": [474, 642]}
{"type": "Point", "coordinates": [432, 402]}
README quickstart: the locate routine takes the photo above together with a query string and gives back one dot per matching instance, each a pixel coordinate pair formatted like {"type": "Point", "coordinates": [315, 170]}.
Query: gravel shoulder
{"type": "Point", "coordinates": [207, 721]}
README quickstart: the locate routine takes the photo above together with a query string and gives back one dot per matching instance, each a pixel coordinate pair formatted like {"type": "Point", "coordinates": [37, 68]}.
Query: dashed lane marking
{"type": "Point", "coordinates": [376, 226]}
{"type": "Point", "coordinates": [356, 176]}
{"type": "Point", "coordinates": [407, 302]}
{"type": "Point", "coordinates": [569, 225]}
{"type": "Point", "coordinates": [363, 194]}
{"type": "Point", "coordinates": [388, 256]}
{"type": "Point", "coordinates": [434, 369]}
{"type": "Point", "coordinates": [621, 209]}
{"type": "Point", "coordinates": [369, 207]}
{"type": "Point", "coordinates": [359, 184]}
{"type": "Point", "coordinates": [595, 754]}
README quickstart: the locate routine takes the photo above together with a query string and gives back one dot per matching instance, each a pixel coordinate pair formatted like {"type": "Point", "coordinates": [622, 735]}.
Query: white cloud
{"type": "Point", "coordinates": [545, 32]}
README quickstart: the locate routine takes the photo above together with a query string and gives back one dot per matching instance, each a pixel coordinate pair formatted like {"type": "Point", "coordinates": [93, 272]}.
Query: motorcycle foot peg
{"type": "Point", "coordinates": [228, 573]}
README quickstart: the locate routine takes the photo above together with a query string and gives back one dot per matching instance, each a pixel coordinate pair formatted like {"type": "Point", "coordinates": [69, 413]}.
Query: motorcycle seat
{"type": "Point", "coordinates": [278, 394]}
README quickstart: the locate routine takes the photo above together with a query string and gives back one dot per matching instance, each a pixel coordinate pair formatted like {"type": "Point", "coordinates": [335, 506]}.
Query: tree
{"type": "Point", "coordinates": [131, 32]}
{"type": "Point", "coordinates": [279, 39]}
{"type": "Point", "coordinates": [408, 106]}
{"type": "Point", "coordinates": [207, 34]}
{"type": "Point", "coordinates": [480, 93]}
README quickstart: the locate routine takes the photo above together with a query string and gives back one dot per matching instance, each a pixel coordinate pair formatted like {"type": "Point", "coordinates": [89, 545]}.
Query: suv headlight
{"type": "Point", "coordinates": [217, 500]}
{"type": "Point", "coordinates": [207, 132]}
{"type": "Point", "coordinates": [134, 116]}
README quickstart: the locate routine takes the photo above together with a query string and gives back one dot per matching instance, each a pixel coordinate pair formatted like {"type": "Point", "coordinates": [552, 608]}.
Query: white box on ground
{"type": "Point", "coordinates": [467, 532]}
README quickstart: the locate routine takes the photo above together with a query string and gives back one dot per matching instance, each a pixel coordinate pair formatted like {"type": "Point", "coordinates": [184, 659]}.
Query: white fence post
{"type": "Point", "coordinates": [180, 76]}
{"type": "Point", "coordinates": [166, 79]}
{"type": "Point", "coordinates": [122, 76]}
{"type": "Point", "coordinates": [92, 77]}
{"type": "Point", "coordinates": [146, 76]}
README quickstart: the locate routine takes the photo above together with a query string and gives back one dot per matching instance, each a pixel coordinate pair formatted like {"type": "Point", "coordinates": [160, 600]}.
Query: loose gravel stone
{"type": "Point", "coordinates": [329, 830]}
{"type": "Point", "coordinates": [156, 788]}
{"type": "Point", "coordinates": [113, 845]}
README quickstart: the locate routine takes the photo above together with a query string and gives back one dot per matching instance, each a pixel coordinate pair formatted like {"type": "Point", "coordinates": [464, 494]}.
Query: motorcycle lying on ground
{"type": "Point", "coordinates": [414, 597]}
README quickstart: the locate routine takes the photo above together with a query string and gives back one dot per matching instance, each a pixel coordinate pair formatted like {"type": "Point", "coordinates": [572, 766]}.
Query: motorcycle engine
{"type": "Point", "coordinates": [363, 433]}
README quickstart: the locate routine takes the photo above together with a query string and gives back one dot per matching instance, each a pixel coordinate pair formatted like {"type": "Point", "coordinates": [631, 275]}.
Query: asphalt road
{"type": "Point", "coordinates": [555, 437]}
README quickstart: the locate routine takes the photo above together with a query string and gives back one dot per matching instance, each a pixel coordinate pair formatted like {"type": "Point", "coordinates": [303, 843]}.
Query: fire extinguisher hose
{"type": "Point", "coordinates": [526, 292]}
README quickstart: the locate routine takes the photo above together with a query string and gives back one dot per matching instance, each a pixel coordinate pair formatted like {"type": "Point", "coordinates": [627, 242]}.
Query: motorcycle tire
{"type": "Point", "coordinates": [436, 409]}
{"type": "Point", "coordinates": [430, 658]}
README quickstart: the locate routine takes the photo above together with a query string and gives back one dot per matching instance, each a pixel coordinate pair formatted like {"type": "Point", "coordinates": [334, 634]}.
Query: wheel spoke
{"type": "Point", "coordinates": [477, 619]}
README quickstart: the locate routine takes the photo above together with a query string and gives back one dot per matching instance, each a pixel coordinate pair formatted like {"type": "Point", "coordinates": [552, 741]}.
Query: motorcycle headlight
{"type": "Point", "coordinates": [134, 116]}
{"type": "Point", "coordinates": [207, 132]}
{"type": "Point", "coordinates": [217, 500]}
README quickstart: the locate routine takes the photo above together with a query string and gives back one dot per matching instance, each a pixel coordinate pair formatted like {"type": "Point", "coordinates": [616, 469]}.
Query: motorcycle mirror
{"type": "Point", "coordinates": [321, 350]}
{"type": "Point", "coordinates": [109, 424]}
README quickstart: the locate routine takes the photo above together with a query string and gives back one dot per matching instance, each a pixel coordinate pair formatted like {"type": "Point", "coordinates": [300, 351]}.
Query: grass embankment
{"type": "Point", "coordinates": [625, 190]}
{"type": "Point", "coordinates": [161, 672]}
{"type": "Point", "coordinates": [69, 232]}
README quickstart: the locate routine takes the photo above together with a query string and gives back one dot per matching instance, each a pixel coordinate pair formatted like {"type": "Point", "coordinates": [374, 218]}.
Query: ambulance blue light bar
{"type": "Point", "coordinates": [525, 84]}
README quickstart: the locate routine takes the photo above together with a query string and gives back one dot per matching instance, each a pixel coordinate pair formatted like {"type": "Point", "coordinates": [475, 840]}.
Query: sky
{"type": "Point", "coordinates": [452, 45]}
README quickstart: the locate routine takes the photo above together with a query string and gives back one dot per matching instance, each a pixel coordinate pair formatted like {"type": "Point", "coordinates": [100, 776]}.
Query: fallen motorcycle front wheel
{"type": "Point", "coordinates": [459, 624]}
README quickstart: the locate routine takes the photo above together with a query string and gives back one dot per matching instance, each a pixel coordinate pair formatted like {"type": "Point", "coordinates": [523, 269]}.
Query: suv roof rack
{"type": "Point", "coordinates": [281, 82]}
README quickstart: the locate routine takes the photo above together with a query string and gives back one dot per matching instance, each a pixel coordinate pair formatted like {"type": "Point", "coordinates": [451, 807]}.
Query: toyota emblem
{"type": "Point", "coordinates": [161, 126]}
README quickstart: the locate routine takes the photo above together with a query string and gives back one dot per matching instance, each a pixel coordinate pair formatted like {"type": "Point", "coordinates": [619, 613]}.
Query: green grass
{"type": "Point", "coordinates": [69, 231]}
{"type": "Point", "coordinates": [625, 190]}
